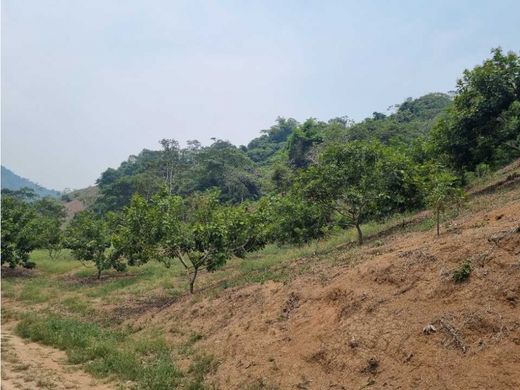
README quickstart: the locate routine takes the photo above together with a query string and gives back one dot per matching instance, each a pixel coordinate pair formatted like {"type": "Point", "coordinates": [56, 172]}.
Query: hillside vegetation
{"type": "Point", "coordinates": [321, 255]}
{"type": "Point", "coordinates": [407, 309]}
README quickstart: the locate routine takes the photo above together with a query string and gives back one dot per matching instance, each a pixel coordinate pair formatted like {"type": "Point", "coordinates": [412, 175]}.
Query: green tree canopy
{"type": "Point", "coordinates": [482, 124]}
{"type": "Point", "coordinates": [360, 180]}
{"type": "Point", "coordinates": [19, 231]}
{"type": "Point", "coordinates": [90, 239]}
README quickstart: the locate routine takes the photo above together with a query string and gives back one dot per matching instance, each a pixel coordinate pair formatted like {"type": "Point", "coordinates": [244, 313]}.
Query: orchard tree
{"type": "Point", "coordinates": [137, 231]}
{"type": "Point", "coordinates": [89, 238]}
{"type": "Point", "coordinates": [19, 231]}
{"type": "Point", "coordinates": [246, 227]}
{"type": "Point", "coordinates": [349, 178]}
{"type": "Point", "coordinates": [442, 192]}
{"type": "Point", "coordinates": [292, 219]}
{"type": "Point", "coordinates": [202, 233]}
{"type": "Point", "coordinates": [194, 233]}
{"type": "Point", "coordinates": [51, 216]}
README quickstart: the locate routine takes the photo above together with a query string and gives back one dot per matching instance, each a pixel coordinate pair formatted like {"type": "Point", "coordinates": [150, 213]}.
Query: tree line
{"type": "Point", "coordinates": [200, 206]}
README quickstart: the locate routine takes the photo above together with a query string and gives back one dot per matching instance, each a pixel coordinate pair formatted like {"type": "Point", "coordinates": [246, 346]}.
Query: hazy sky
{"type": "Point", "coordinates": [86, 83]}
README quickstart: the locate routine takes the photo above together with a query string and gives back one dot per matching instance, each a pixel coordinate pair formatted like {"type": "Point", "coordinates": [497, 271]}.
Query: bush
{"type": "Point", "coordinates": [462, 273]}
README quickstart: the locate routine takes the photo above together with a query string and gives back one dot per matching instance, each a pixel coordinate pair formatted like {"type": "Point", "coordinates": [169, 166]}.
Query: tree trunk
{"type": "Point", "coordinates": [438, 217]}
{"type": "Point", "coordinates": [192, 280]}
{"type": "Point", "coordinates": [359, 234]}
{"type": "Point", "coordinates": [99, 273]}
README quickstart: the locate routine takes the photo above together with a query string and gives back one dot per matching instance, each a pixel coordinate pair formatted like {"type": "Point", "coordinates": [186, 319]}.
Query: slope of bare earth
{"type": "Point", "coordinates": [389, 315]}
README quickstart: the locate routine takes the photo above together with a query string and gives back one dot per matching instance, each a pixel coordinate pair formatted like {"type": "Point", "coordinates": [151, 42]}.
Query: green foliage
{"type": "Point", "coordinates": [226, 168]}
{"type": "Point", "coordinates": [462, 273]}
{"type": "Point", "coordinates": [201, 232]}
{"type": "Point", "coordinates": [292, 219]}
{"type": "Point", "coordinates": [360, 180]}
{"type": "Point", "coordinates": [281, 178]}
{"type": "Point", "coordinates": [266, 164]}
{"type": "Point", "coordinates": [261, 149]}
{"type": "Point", "coordinates": [301, 142]}
{"type": "Point", "coordinates": [442, 191]}
{"type": "Point", "coordinates": [51, 217]}
{"type": "Point", "coordinates": [89, 238]}
{"type": "Point", "coordinates": [182, 172]}
{"type": "Point", "coordinates": [483, 123]}
{"type": "Point", "coordinates": [20, 231]}
{"type": "Point", "coordinates": [413, 118]}
{"type": "Point", "coordinates": [136, 232]}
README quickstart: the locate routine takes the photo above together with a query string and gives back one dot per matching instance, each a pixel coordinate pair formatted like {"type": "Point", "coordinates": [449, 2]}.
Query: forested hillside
{"type": "Point", "coordinates": [11, 181]}
{"type": "Point", "coordinates": [247, 172]}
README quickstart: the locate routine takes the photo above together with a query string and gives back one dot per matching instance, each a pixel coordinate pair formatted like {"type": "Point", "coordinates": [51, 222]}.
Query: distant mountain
{"type": "Point", "coordinates": [12, 181]}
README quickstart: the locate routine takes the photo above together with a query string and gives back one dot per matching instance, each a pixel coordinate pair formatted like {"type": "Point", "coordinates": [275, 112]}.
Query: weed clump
{"type": "Point", "coordinates": [462, 273]}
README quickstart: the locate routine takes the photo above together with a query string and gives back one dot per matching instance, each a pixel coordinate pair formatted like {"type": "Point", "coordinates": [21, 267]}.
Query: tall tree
{"type": "Point", "coordinates": [472, 132]}
{"type": "Point", "coordinates": [301, 142]}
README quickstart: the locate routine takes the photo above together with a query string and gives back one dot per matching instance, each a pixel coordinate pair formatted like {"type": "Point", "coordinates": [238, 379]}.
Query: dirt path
{"type": "Point", "coordinates": [27, 365]}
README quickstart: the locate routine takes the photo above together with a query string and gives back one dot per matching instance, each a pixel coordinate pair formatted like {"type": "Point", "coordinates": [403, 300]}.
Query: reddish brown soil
{"type": "Point", "coordinates": [73, 207]}
{"type": "Point", "coordinates": [360, 324]}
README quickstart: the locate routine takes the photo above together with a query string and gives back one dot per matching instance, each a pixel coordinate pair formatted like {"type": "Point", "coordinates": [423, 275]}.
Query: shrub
{"type": "Point", "coordinates": [462, 273]}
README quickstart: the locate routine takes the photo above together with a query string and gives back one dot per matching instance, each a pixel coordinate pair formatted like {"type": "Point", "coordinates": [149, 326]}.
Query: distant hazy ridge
{"type": "Point", "coordinates": [12, 181]}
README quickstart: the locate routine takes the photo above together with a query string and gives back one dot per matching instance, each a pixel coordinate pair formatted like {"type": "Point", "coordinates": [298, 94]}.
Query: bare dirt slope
{"type": "Point", "coordinates": [388, 315]}
{"type": "Point", "coordinates": [27, 365]}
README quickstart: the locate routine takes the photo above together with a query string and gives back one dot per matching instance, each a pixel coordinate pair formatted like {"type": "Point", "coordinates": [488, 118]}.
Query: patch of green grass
{"type": "Point", "coordinates": [8, 288]}
{"type": "Point", "coordinates": [135, 280]}
{"type": "Point", "coordinates": [8, 314]}
{"type": "Point", "coordinates": [106, 287]}
{"type": "Point", "coordinates": [62, 264]}
{"type": "Point", "coordinates": [86, 272]}
{"type": "Point", "coordinates": [201, 366]}
{"type": "Point", "coordinates": [38, 290]}
{"type": "Point", "coordinates": [424, 226]}
{"type": "Point", "coordinates": [105, 352]}
{"type": "Point", "coordinates": [75, 304]}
